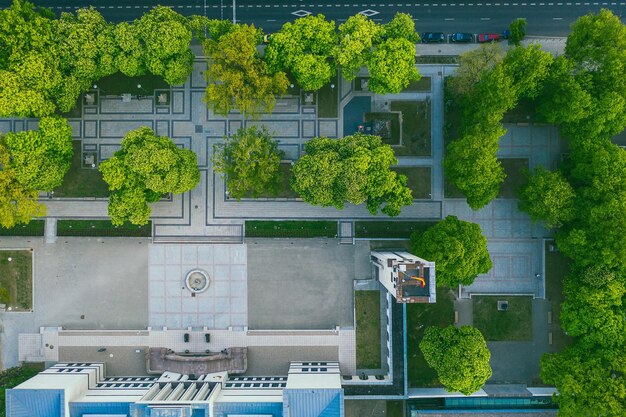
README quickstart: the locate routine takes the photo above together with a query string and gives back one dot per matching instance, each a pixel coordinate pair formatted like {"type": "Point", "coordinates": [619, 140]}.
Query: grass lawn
{"type": "Point", "coordinates": [12, 377]}
{"type": "Point", "coordinates": [419, 317]}
{"type": "Point", "coordinates": [389, 229]}
{"type": "Point", "coordinates": [394, 408]}
{"type": "Point", "coordinates": [34, 228]}
{"type": "Point", "coordinates": [367, 307]}
{"type": "Point", "coordinates": [418, 180]}
{"type": "Point", "coordinates": [394, 137]}
{"type": "Point", "coordinates": [415, 127]}
{"type": "Point", "coordinates": [512, 325]}
{"type": "Point", "coordinates": [269, 228]}
{"type": "Point", "coordinates": [101, 228]}
{"type": "Point", "coordinates": [81, 182]}
{"type": "Point", "coordinates": [16, 276]}
{"type": "Point", "coordinates": [328, 99]}
{"type": "Point", "coordinates": [118, 83]}
{"type": "Point", "coordinates": [423, 84]}
{"type": "Point", "coordinates": [514, 169]}
{"type": "Point", "coordinates": [557, 267]}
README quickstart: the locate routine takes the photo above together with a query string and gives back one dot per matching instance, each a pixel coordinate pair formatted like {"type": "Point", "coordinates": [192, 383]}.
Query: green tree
{"type": "Point", "coordinates": [392, 66]}
{"type": "Point", "coordinates": [304, 48]}
{"type": "Point", "coordinates": [547, 197]}
{"type": "Point", "coordinates": [357, 37]}
{"type": "Point", "coordinates": [237, 77]}
{"type": "Point", "coordinates": [142, 171]}
{"type": "Point", "coordinates": [165, 37]}
{"type": "Point", "coordinates": [402, 26]}
{"type": "Point", "coordinates": [593, 309]}
{"type": "Point", "coordinates": [130, 58]}
{"type": "Point", "coordinates": [527, 67]}
{"type": "Point", "coordinates": [517, 30]}
{"type": "Point", "coordinates": [354, 169]}
{"type": "Point", "coordinates": [597, 48]}
{"type": "Point", "coordinates": [458, 249]}
{"type": "Point", "coordinates": [17, 203]}
{"type": "Point", "coordinates": [473, 65]}
{"type": "Point", "coordinates": [472, 166]}
{"type": "Point", "coordinates": [598, 176]}
{"type": "Point", "coordinates": [250, 161]}
{"type": "Point", "coordinates": [563, 98]}
{"type": "Point", "coordinates": [41, 158]}
{"type": "Point", "coordinates": [459, 355]}
{"type": "Point", "coordinates": [589, 382]}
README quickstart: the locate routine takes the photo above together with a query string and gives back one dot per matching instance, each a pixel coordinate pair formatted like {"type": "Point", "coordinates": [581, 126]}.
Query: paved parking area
{"type": "Point", "coordinates": [222, 305]}
{"type": "Point", "coordinates": [303, 283]}
{"type": "Point", "coordinates": [103, 280]}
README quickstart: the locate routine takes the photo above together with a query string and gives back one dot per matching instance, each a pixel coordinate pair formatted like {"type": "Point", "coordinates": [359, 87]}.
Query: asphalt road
{"type": "Point", "coordinates": [550, 18]}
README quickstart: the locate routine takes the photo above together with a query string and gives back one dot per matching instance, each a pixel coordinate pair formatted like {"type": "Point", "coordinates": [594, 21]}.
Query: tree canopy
{"type": "Point", "coordinates": [142, 171]}
{"type": "Point", "coordinates": [458, 249]}
{"type": "Point", "coordinates": [18, 204]}
{"type": "Point", "coordinates": [517, 30]}
{"type": "Point", "coordinates": [459, 355]}
{"type": "Point", "coordinates": [547, 197]}
{"type": "Point", "coordinates": [590, 382]}
{"type": "Point", "coordinates": [250, 161]}
{"type": "Point", "coordinates": [237, 77]}
{"type": "Point", "coordinates": [354, 169]}
{"type": "Point", "coordinates": [303, 48]}
{"type": "Point", "coordinates": [41, 158]}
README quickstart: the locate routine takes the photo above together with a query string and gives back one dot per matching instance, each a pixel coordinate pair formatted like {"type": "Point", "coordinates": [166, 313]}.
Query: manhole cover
{"type": "Point", "coordinates": [197, 281]}
{"type": "Point", "coordinates": [301, 13]}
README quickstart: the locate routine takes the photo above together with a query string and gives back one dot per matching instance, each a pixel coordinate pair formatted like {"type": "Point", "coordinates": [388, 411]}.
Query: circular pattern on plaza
{"type": "Point", "coordinates": [197, 281]}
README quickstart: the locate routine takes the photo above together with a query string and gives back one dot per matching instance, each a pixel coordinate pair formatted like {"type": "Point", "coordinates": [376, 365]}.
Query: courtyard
{"type": "Point", "coordinates": [303, 284]}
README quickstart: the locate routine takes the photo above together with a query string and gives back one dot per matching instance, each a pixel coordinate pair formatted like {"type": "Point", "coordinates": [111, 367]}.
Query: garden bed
{"type": "Point", "coordinates": [557, 268]}
{"type": "Point", "coordinates": [81, 182]}
{"type": "Point", "coordinates": [515, 170]}
{"type": "Point", "coordinates": [423, 85]}
{"type": "Point", "coordinates": [393, 135]}
{"type": "Point", "coordinates": [416, 119]}
{"type": "Point", "coordinates": [328, 100]}
{"type": "Point", "coordinates": [418, 180]}
{"type": "Point", "coordinates": [367, 310]}
{"type": "Point", "coordinates": [101, 228]}
{"type": "Point", "coordinates": [16, 276]}
{"type": "Point", "coordinates": [33, 228]}
{"type": "Point", "coordinates": [515, 324]}
{"type": "Point", "coordinates": [419, 317]}
{"type": "Point", "coordinates": [297, 229]}
{"type": "Point", "coordinates": [118, 84]}
{"type": "Point", "coordinates": [389, 229]}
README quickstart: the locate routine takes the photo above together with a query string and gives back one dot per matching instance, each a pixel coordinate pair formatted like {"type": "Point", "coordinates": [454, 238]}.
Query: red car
{"type": "Point", "coordinates": [488, 37]}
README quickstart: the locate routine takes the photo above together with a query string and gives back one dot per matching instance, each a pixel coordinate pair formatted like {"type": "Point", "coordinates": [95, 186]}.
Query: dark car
{"type": "Point", "coordinates": [461, 37]}
{"type": "Point", "coordinates": [488, 37]}
{"type": "Point", "coordinates": [433, 37]}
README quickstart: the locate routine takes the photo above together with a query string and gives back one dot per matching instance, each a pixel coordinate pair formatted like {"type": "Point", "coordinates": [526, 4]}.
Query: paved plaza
{"type": "Point", "coordinates": [303, 283]}
{"type": "Point", "coordinates": [81, 283]}
{"type": "Point", "coordinates": [224, 304]}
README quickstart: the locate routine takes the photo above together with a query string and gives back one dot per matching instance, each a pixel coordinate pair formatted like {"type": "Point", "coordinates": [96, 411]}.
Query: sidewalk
{"type": "Point", "coordinates": [554, 45]}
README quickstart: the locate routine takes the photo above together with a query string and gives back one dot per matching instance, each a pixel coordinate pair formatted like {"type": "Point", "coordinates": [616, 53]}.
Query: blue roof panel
{"type": "Point", "coordinates": [313, 403]}
{"type": "Point", "coordinates": [35, 403]}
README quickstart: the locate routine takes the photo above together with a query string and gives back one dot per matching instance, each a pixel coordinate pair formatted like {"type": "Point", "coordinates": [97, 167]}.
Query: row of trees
{"type": "Point", "coordinates": [354, 169]}
{"type": "Point", "coordinates": [489, 83]}
{"type": "Point", "coordinates": [585, 200]}
{"type": "Point", "coordinates": [310, 50]}
{"type": "Point", "coordinates": [47, 62]}
{"type": "Point", "coordinates": [459, 355]}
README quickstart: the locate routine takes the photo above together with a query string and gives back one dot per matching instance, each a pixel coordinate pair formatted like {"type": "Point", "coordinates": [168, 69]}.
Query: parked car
{"type": "Point", "coordinates": [488, 37]}
{"type": "Point", "coordinates": [460, 37]}
{"type": "Point", "coordinates": [433, 37]}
